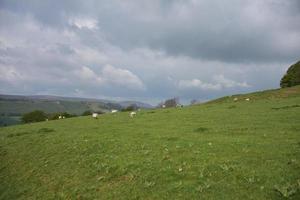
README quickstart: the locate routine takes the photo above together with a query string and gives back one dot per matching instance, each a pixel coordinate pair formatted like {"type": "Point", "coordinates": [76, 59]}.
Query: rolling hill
{"type": "Point", "coordinates": [223, 149]}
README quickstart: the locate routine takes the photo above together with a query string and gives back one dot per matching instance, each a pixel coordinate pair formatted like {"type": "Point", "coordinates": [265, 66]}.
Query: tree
{"type": "Point", "coordinates": [53, 116]}
{"type": "Point", "coordinates": [292, 76]}
{"type": "Point", "coordinates": [35, 116]}
{"type": "Point", "coordinates": [171, 102]}
{"type": "Point", "coordinates": [86, 113]}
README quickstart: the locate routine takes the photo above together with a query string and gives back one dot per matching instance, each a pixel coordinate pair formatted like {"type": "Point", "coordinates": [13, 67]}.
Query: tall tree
{"type": "Point", "coordinates": [292, 76]}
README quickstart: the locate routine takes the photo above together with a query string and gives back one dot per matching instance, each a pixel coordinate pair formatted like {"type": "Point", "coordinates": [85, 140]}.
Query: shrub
{"type": "Point", "coordinates": [35, 116]}
{"type": "Point", "coordinates": [292, 76]}
{"type": "Point", "coordinates": [53, 116]}
{"type": "Point", "coordinates": [86, 113]}
{"type": "Point", "coordinates": [171, 102]}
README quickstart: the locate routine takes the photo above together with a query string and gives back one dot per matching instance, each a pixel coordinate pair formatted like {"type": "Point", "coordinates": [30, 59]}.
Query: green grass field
{"type": "Point", "coordinates": [218, 150]}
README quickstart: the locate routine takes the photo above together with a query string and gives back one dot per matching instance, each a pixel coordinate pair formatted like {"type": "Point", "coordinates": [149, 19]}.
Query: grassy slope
{"type": "Point", "coordinates": [225, 150]}
{"type": "Point", "coordinates": [275, 94]}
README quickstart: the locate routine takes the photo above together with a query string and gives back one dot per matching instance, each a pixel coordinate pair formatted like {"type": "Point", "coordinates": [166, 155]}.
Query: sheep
{"type": "Point", "coordinates": [132, 114]}
{"type": "Point", "coordinates": [235, 99]}
{"type": "Point", "coordinates": [95, 115]}
{"type": "Point", "coordinates": [59, 117]}
{"type": "Point", "coordinates": [248, 99]}
{"type": "Point", "coordinates": [63, 117]}
{"type": "Point", "coordinates": [163, 106]}
{"type": "Point", "coordinates": [114, 111]}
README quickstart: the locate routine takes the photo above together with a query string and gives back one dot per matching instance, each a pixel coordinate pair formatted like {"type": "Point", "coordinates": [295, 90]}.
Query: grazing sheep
{"type": "Point", "coordinates": [235, 99]}
{"type": "Point", "coordinates": [114, 111]}
{"type": "Point", "coordinates": [163, 106]}
{"type": "Point", "coordinates": [248, 99]}
{"type": "Point", "coordinates": [95, 115]}
{"type": "Point", "coordinates": [63, 117]}
{"type": "Point", "coordinates": [132, 114]}
{"type": "Point", "coordinates": [59, 117]}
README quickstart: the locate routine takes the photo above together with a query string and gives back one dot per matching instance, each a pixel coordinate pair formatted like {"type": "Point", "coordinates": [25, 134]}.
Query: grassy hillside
{"type": "Point", "coordinates": [219, 150]}
{"type": "Point", "coordinates": [275, 94]}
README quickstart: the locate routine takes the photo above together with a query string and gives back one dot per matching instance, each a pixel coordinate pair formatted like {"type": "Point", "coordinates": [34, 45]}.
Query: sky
{"type": "Point", "coordinates": [146, 50]}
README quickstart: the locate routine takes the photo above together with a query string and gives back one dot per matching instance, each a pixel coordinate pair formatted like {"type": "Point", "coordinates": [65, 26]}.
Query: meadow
{"type": "Point", "coordinates": [218, 150]}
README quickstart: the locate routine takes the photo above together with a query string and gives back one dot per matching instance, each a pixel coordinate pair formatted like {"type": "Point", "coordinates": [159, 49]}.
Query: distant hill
{"type": "Point", "coordinates": [137, 103]}
{"type": "Point", "coordinates": [18, 104]}
{"type": "Point", "coordinates": [12, 106]}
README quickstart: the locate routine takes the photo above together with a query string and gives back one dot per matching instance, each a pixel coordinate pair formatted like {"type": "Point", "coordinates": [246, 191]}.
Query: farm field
{"type": "Point", "coordinates": [218, 150]}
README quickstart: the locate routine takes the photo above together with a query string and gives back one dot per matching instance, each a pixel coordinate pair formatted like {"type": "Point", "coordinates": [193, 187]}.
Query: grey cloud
{"type": "Point", "coordinates": [207, 31]}
{"type": "Point", "coordinates": [156, 43]}
{"type": "Point", "coordinates": [231, 31]}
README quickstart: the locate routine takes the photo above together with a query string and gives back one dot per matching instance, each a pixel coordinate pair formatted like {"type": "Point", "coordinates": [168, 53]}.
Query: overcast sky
{"type": "Point", "coordinates": [146, 50]}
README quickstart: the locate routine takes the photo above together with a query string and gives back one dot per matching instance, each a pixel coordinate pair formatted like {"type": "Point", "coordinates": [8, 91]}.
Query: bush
{"type": "Point", "coordinates": [292, 76]}
{"type": "Point", "coordinates": [86, 113]}
{"type": "Point", "coordinates": [35, 116]}
{"type": "Point", "coordinates": [53, 116]}
{"type": "Point", "coordinates": [171, 102]}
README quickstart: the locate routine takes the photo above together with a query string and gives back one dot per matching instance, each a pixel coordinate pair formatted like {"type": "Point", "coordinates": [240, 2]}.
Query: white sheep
{"type": "Point", "coordinates": [132, 114]}
{"type": "Point", "coordinates": [235, 99]}
{"type": "Point", "coordinates": [95, 115]}
{"type": "Point", "coordinates": [59, 117]}
{"type": "Point", "coordinates": [63, 117]}
{"type": "Point", "coordinates": [248, 99]}
{"type": "Point", "coordinates": [114, 111]}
